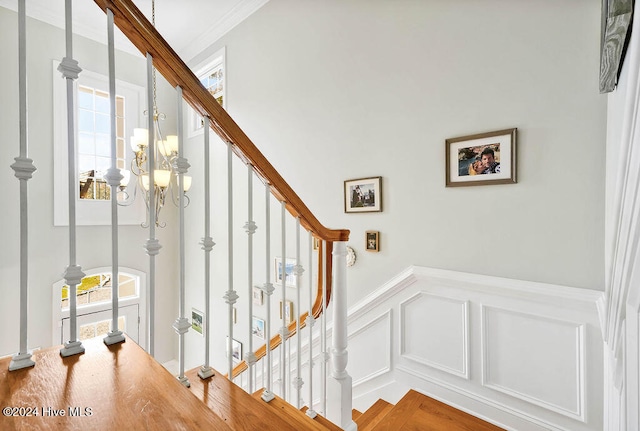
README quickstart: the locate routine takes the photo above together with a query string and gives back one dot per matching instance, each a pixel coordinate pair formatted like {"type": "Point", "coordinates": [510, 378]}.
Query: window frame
{"type": "Point", "coordinates": [58, 313]}
{"type": "Point", "coordinates": [91, 212]}
{"type": "Point", "coordinates": [194, 127]}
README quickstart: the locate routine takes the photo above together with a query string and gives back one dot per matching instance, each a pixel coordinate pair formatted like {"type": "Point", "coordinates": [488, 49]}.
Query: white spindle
{"type": "Point", "coordinates": [73, 274]}
{"type": "Point", "coordinates": [207, 245]}
{"type": "Point", "coordinates": [152, 245]}
{"type": "Point", "coordinates": [230, 296]}
{"type": "Point", "coordinates": [23, 170]}
{"type": "Point", "coordinates": [113, 178]}
{"type": "Point", "coordinates": [181, 165]}
{"type": "Point", "coordinates": [298, 271]}
{"type": "Point", "coordinates": [267, 394]}
{"type": "Point", "coordinates": [340, 408]}
{"type": "Point", "coordinates": [323, 330]}
{"type": "Point", "coordinates": [284, 330]}
{"type": "Point", "coordinates": [310, 322]}
{"type": "Point", "coordinates": [250, 228]}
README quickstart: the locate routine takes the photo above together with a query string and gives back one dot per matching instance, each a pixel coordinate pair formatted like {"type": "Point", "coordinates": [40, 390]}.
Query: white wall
{"type": "Point", "coordinates": [525, 356]}
{"type": "Point", "coordinates": [48, 252]}
{"type": "Point", "coordinates": [334, 90]}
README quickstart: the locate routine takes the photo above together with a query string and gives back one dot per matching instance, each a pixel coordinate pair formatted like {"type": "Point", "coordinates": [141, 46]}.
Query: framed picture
{"type": "Point", "coordinates": [288, 312]}
{"type": "Point", "coordinates": [258, 296]}
{"type": "Point", "coordinates": [363, 195]}
{"type": "Point", "coordinates": [372, 240]}
{"type": "Point", "coordinates": [290, 278]}
{"type": "Point", "coordinates": [257, 327]}
{"type": "Point", "coordinates": [236, 349]}
{"type": "Point", "coordinates": [197, 321]}
{"type": "Point", "coordinates": [485, 158]}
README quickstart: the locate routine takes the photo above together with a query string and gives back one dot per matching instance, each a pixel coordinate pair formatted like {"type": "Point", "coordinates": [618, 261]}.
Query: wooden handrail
{"type": "Point", "coordinates": [146, 38]}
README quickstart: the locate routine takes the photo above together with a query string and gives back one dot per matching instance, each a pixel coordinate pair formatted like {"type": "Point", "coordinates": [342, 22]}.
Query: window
{"type": "Point", "coordinates": [93, 148]}
{"type": "Point", "coordinates": [97, 289]}
{"type": "Point", "coordinates": [94, 141]}
{"type": "Point", "coordinates": [93, 299]}
{"type": "Point", "coordinates": [211, 74]}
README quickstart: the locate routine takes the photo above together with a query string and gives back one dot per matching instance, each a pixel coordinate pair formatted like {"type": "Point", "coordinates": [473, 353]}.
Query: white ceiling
{"type": "Point", "coordinates": [188, 25]}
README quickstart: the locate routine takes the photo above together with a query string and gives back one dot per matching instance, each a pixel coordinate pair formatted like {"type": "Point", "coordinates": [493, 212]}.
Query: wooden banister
{"type": "Point", "coordinates": [132, 22]}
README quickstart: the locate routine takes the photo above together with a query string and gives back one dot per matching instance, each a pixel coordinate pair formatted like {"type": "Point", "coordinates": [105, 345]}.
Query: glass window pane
{"type": "Point", "coordinates": [85, 121]}
{"type": "Point", "coordinates": [102, 102]}
{"type": "Point", "coordinates": [102, 164]}
{"type": "Point", "coordinates": [85, 143]}
{"type": "Point", "coordinates": [120, 148]}
{"type": "Point", "coordinates": [102, 124]}
{"type": "Point", "coordinates": [120, 127]}
{"type": "Point", "coordinates": [103, 147]}
{"type": "Point", "coordinates": [119, 106]}
{"type": "Point", "coordinates": [85, 98]}
{"type": "Point", "coordinates": [86, 163]}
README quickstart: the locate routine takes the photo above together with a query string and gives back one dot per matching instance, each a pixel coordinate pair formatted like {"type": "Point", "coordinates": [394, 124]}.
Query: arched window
{"type": "Point", "coordinates": [93, 300]}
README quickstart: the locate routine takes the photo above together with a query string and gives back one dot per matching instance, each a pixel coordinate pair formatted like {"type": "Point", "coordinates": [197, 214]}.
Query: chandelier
{"type": "Point", "coordinates": [165, 155]}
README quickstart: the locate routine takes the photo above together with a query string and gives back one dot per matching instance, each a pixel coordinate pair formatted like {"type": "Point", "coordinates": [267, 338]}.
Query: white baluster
{"type": "Point", "coordinates": [73, 274]}
{"type": "Point", "coordinates": [23, 169]}
{"type": "Point", "coordinates": [284, 331]}
{"type": "Point", "coordinates": [207, 245]}
{"type": "Point", "coordinates": [267, 394]}
{"type": "Point", "coordinates": [310, 322]}
{"type": "Point", "coordinates": [298, 270]}
{"type": "Point", "coordinates": [340, 384]}
{"type": "Point", "coordinates": [230, 296]}
{"type": "Point", "coordinates": [113, 178]}
{"type": "Point", "coordinates": [181, 165]}
{"type": "Point", "coordinates": [152, 245]}
{"type": "Point", "coordinates": [250, 228]}
{"type": "Point", "coordinates": [323, 330]}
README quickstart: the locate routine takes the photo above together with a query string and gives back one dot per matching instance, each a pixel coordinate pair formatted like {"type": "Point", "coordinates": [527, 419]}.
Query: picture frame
{"type": "Point", "coordinates": [197, 321]}
{"type": "Point", "coordinates": [290, 278]}
{"type": "Point", "coordinates": [481, 159]}
{"type": "Point", "coordinates": [363, 195]}
{"type": "Point", "coordinates": [257, 327]}
{"type": "Point", "coordinates": [236, 349]}
{"type": "Point", "coordinates": [288, 312]}
{"type": "Point", "coordinates": [258, 296]}
{"type": "Point", "coordinates": [372, 241]}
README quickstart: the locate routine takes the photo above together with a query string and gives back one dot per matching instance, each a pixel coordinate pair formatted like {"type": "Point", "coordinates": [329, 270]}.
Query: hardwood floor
{"type": "Point", "coordinates": [416, 412]}
{"type": "Point", "coordinates": [119, 387]}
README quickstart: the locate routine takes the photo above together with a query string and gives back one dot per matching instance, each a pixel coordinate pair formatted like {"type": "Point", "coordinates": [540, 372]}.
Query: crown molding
{"type": "Point", "coordinates": [235, 16]}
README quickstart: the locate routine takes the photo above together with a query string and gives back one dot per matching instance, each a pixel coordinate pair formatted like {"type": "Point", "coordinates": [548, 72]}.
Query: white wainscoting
{"type": "Point", "coordinates": [522, 355]}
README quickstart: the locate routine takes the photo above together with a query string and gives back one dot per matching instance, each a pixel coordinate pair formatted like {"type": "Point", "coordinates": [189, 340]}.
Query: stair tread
{"type": "Point", "coordinates": [417, 411]}
{"type": "Point", "coordinates": [237, 408]}
{"type": "Point", "coordinates": [355, 414]}
{"type": "Point", "coordinates": [292, 414]}
{"type": "Point", "coordinates": [373, 415]}
{"type": "Point", "coordinates": [322, 420]}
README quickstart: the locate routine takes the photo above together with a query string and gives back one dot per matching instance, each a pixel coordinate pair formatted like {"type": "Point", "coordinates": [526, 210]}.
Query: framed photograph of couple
{"type": "Point", "coordinates": [484, 158]}
{"type": "Point", "coordinates": [363, 195]}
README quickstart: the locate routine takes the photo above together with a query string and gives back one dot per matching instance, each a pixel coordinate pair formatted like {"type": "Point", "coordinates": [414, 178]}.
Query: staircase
{"type": "Point", "coordinates": [243, 411]}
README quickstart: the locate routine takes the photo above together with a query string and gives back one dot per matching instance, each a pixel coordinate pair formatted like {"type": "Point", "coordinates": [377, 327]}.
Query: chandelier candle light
{"type": "Point", "coordinates": [165, 156]}
{"type": "Point", "coordinates": [164, 173]}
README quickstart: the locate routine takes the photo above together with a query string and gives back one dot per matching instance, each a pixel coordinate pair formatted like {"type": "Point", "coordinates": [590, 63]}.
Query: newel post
{"type": "Point", "coordinates": [339, 386]}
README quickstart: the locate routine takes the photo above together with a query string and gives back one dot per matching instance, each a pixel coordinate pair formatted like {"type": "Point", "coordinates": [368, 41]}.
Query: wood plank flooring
{"type": "Point", "coordinates": [121, 387]}
{"type": "Point", "coordinates": [124, 388]}
{"type": "Point", "coordinates": [417, 412]}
